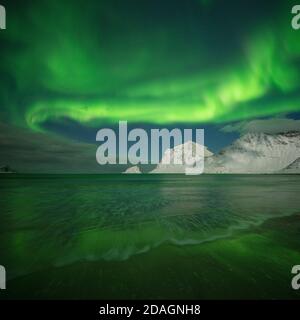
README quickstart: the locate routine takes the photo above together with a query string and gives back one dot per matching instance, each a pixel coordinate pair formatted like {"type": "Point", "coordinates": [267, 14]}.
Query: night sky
{"type": "Point", "coordinates": [71, 67]}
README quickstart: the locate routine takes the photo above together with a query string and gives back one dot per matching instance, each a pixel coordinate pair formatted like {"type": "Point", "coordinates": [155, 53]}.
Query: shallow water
{"type": "Point", "coordinates": [60, 224]}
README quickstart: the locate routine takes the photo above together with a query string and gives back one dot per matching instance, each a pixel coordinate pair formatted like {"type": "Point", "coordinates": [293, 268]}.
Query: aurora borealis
{"type": "Point", "coordinates": [148, 61]}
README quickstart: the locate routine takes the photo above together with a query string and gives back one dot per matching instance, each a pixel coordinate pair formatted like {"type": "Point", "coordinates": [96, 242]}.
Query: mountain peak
{"type": "Point", "coordinates": [176, 159]}
{"type": "Point", "coordinates": [190, 146]}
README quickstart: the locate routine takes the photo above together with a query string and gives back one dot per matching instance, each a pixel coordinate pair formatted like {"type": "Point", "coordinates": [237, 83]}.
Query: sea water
{"type": "Point", "coordinates": [54, 225]}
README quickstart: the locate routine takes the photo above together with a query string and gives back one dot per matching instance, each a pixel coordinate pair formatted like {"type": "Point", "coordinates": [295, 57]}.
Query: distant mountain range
{"type": "Point", "coordinates": [255, 153]}
{"type": "Point", "coordinates": [131, 170]}
{"type": "Point", "coordinates": [6, 169]}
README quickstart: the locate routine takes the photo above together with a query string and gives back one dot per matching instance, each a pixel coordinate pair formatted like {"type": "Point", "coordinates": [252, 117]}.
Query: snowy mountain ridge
{"type": "Point", "coordinates": [257, 153]}
{"type": "Point", "coordinates": [251, 153]}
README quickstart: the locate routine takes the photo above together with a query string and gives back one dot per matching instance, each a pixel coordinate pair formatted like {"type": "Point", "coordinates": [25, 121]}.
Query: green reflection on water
{"type": "Point", "coordinates": [142, 236]}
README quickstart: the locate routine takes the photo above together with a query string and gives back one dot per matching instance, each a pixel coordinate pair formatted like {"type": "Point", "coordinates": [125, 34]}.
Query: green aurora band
{"type": "Point", "coordinates": [105, 61]}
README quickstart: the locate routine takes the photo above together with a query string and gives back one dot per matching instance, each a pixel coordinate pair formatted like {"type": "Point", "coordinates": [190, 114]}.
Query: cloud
{"type": "Point", "coordinates": [28, 152]}
{"type": "Point", "coordinates": [274, 125]}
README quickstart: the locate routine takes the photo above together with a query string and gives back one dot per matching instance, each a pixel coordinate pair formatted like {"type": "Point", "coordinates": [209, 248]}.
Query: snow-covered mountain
{"type": "Point", "coordinates": [256, 153]}
{"type": "Point", "coordinates": [132, 170]}
{"type": "Point", "coordinates": [251, 153]}
{"type": "Point", "coordinates": [294, 167]}
{"type": "Point", "coordinates": [188, 154]}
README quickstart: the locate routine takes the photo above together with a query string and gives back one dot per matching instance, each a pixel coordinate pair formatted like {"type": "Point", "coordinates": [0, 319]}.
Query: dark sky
{"type": "Point", "coordinates": [69, 68]}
